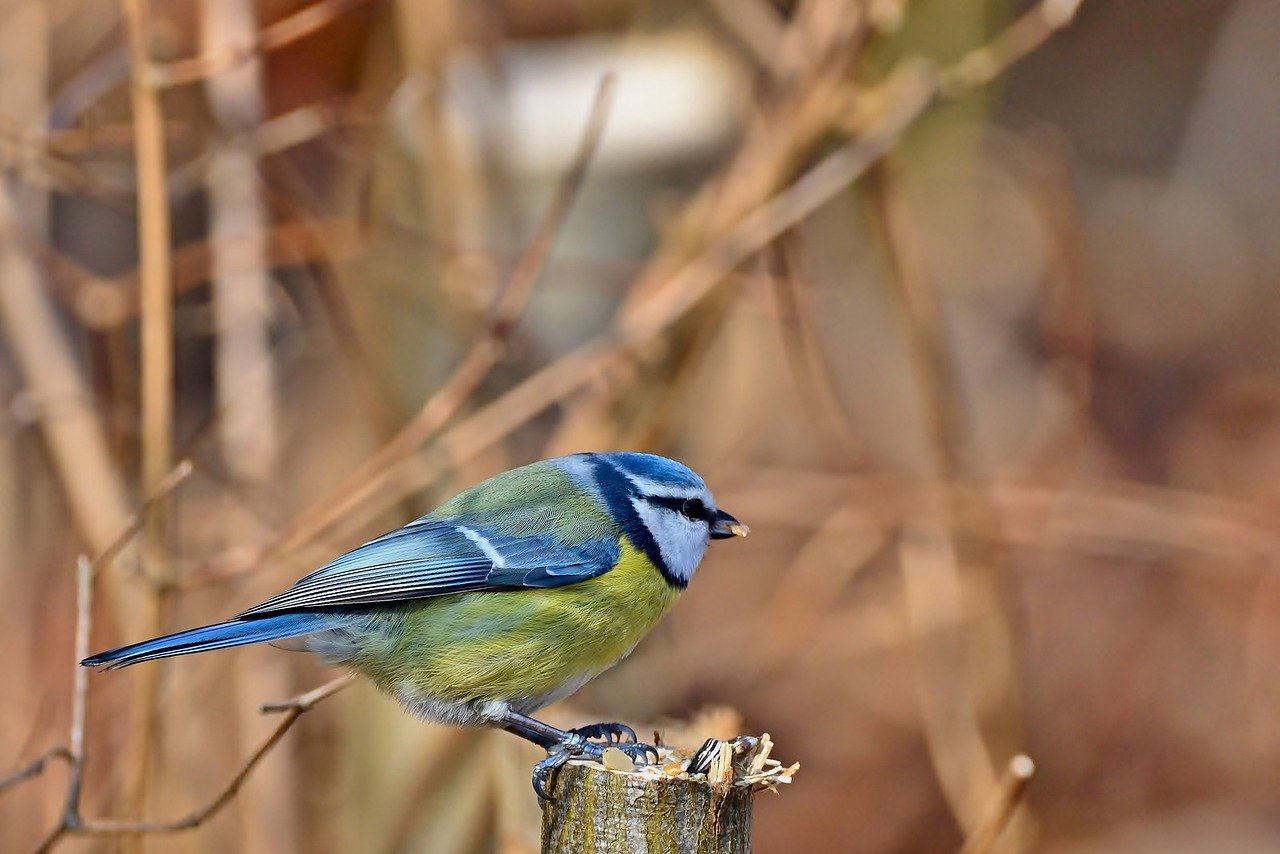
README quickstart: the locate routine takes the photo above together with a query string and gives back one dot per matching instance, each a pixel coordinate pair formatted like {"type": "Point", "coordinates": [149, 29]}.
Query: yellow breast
{"type": "Point", "coordinates": [528, 644]}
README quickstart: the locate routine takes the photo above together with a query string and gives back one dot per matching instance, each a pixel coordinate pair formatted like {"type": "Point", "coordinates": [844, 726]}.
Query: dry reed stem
{"type": "Point", "coordinates": [138, 520]}
{"type": "Point", "coordinates": [1101, 517]}
{"type": "Point", "coordinates": [1019, 40]}
{"type": "Point", "coordinates": [240, 282]}
{"type": "Point", "coordinates": [757, 25]}
{"type": "Point", "coordinates": [93, 486]}
{"type": "Point", "coordinates": [110, 302]}
{"type": "Point", "coordinates": [245, 363]}
{"type": "Point", "coordinates": [1013, 783]}
{"type": "Point", "coordinates": [846, 541]}
{"type": "Point", "coordinates": [155, 273]}
{"type": "Point", "coordinates": [934, 597]}
{"type": "Point", "coordinates": [427, 35]}
{"type": "Point", "coordinates": [810, 368]}
{"type": "Point", "coordinates": [1040, 165]}
{"type": "Point", "coordinates": [684, 291]}
{"type": "Point", "coordinates": [484, 355]}
{"type": "Point", "coordinates": [933, 555]}
{"type": "Point", "coordinates": [155, 261]}
{"type": "Point", "coordinates": [900, 101]}
{"type": "Point", "coordinates": [289, 29]}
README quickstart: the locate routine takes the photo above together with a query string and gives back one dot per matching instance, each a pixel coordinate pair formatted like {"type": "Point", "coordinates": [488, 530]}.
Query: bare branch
{"type": "Point", "coordinates": [303, 702]}
{"type": "Point", "coordinates": [476, 365]}
{"type": "Point", "coordinates": [73, 825]}
{"type": "Point", "coordinates": [79, 679]}
{"type": "Point", "coordinates": [86, 570]}
{"type": "Point", "coordinates": [34, 768]}
{"type": "Point", "coordinates": [115, 827]}
{"type": "Point", "coordinates": [285, 31]}
{"type": "Point", "coordinates": [168, 484]}
{"type": "Point", "coordinates": [686, 288]}
{"type": "Point", "coordinates": [1020, 39]}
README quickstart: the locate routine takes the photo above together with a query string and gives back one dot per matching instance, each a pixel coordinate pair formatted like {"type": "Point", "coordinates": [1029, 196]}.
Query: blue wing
{"type": "Point", "coordinates": [435, 557]}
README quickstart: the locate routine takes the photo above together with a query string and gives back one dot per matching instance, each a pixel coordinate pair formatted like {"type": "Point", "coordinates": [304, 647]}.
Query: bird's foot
{"type": "Point", "coordinates": [576, 744]}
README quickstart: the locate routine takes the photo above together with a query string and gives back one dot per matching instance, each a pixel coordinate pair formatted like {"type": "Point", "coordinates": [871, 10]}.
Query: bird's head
{"type": "Point", "coordinates": [663, 506]}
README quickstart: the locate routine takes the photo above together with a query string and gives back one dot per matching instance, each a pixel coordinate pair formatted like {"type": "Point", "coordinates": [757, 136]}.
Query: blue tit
{"type": "Point", "coordinates": [506, 598]}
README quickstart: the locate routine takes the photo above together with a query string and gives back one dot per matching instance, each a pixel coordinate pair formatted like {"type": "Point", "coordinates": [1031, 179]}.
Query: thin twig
{"type": "Point", "coordinates": [79, 680]}
{"type": "Point", "coordinates": [686, 289]}
{"type": "Point", "coordinates": [1019, 40]}
{"type": "Point", "coordinates": [476, 365]}
{"type": "Point", "coordinates": [303, 702]}
{"type": "Point", "coordinates": [138, 520]}
{"type": "Point", "coordinates": [73, 431]}
{"type": "Point", "coordinates": [940, 556]}
{"type": "Point", "coordinates": [286, 31]}
{"type": "Point", "coordinates": [103, 560]}
{"type": "Point", "coordinates": [902, 99]}
{"type": "Point", "coordinates": [35, 767]}
{"type": "Point", "coordinates": [913, 88]}
{"type": "Point", "coordinates": [73, 825]}
{"type": "Point", "coordinates": [933, 553]}
{"type": "Point", "coordinates": [757, 25]}
{"type": "Point", "coordinates": [1017, 774]}
{"type": "Point", "coordinates": [114, 827]}
{"type": "Point", "coordinates": [101, 302]}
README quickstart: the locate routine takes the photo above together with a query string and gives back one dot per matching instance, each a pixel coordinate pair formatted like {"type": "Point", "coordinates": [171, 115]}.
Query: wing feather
{"type": "Point", "coordinates": [438, 557]}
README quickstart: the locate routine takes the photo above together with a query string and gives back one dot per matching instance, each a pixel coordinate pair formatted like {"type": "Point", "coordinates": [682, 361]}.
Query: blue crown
{"type": "Point", "coordinates": [654, 468]}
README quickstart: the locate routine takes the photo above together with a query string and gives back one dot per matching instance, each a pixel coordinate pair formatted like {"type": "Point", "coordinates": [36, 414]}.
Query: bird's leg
{"type": "Point", "coordinates": [563, 745]}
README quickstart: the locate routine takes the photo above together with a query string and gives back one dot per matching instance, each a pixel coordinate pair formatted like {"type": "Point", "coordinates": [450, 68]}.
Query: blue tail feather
{"type": "Point", "coordinates": [207, 638]}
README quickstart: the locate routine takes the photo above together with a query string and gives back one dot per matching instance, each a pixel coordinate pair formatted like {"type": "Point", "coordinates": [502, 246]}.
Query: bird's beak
{"type": "Point", "coordinates": [724, 526]}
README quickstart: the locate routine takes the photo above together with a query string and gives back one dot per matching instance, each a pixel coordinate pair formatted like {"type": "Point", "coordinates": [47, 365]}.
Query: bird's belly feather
{"type": "Point", "coordinates": [525, 648]}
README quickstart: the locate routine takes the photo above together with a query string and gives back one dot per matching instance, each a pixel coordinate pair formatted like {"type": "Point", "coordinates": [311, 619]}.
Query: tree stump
{"type": "Point", "coordinates": [682, 804]}
{"type": "Point", "coordinates": [597, 811]}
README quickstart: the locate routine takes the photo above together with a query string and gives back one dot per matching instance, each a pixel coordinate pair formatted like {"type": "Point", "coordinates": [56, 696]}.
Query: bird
{"type": "Point", "coordinates": [506, 598]}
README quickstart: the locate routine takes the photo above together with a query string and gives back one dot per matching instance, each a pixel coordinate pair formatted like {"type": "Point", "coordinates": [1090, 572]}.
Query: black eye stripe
{"type": "Point", "coordinates": [691, 507]}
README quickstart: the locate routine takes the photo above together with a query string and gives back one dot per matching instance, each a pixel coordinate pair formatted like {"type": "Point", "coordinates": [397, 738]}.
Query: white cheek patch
{"type": "Point", "coordinates": [681, 540]}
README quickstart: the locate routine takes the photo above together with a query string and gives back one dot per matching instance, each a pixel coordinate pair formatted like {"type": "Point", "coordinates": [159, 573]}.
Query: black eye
{"type": "Point", "coordinates": [694, 508]}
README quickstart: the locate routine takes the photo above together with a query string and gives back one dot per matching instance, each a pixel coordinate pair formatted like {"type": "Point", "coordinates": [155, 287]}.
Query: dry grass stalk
{"type": "Point", "coordinates": [479, 361]}
{"type": "Point", "coordinates": [155, 266]}
{"type": "Point", "coordinates": [898, 103]}
{"type": "Point", "coordinates": [1017, 775]}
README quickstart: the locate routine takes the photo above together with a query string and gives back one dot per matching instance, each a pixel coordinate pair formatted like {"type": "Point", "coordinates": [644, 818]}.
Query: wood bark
{"type": "Point", "coordinates": [597, 811]}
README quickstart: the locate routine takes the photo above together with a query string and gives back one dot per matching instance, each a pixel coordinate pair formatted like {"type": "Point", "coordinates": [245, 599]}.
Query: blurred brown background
{"type": "Point", "coordinates": [1001, 406]}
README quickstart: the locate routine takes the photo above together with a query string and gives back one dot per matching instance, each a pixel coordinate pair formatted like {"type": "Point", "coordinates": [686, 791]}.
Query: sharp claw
{"type": "Point", "coordinates": [544, 772]}
{"type": "Point", "coordinates": [577, 743]}
{"type": "Point", "coordinates": [639, 752]}
{"type": "Point", "coordinates": [611, 733]}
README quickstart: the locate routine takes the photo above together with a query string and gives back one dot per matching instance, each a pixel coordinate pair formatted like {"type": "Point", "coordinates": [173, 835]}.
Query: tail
{"type": "Point", "coordinates": [220, 636]}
